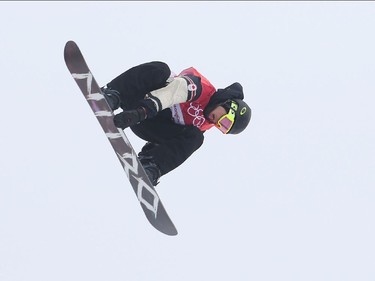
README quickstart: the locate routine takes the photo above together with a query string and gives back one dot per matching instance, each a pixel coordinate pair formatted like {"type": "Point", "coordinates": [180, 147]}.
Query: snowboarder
{"type": "Point", "coordinates": [171, 112]}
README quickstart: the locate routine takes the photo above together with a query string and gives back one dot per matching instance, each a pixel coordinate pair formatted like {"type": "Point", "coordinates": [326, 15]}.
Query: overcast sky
{"type": "Point", "coordinates": [292, 198]}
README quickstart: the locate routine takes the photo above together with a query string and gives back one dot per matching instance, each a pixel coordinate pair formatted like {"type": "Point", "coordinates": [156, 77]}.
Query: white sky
{"type": "Point", "coordinates": [290, 199]}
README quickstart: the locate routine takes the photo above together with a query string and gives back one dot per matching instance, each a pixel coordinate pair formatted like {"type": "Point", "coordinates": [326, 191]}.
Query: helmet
{"type": "Point", "coordinates": [242, 116]}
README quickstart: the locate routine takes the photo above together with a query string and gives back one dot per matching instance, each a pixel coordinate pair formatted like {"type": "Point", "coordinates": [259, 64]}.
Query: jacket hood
{"type": "Point", "coordinates": [234, 91]}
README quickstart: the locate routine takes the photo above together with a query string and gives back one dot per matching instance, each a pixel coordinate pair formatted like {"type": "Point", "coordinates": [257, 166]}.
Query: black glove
{"type": "Point", "coordinates": [129, 118]}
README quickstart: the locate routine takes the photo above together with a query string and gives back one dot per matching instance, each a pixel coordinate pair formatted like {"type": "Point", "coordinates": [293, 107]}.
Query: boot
{"type": "Point", "coordinates": [112, 97]}
{"type": "Point", "coordinates": [151, 169]}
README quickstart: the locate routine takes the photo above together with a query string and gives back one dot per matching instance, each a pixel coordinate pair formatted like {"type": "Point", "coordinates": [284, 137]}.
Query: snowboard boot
{"type": "Point", "coordinates": [112, 97]}
{"type": "Point", "coordinates": [151, 169]}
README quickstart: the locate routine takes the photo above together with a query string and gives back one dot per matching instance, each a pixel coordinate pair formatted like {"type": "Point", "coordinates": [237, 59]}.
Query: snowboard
{"type": "Point", "coordinates": [142, 186]}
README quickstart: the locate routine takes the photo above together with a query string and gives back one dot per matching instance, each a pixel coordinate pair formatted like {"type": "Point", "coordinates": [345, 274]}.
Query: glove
{"type": "Point", "coordinates": [129, 118]}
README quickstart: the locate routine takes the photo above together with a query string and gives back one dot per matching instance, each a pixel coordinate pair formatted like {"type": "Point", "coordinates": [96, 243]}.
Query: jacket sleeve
{"type": "Point", "coordinates": [180, 89]}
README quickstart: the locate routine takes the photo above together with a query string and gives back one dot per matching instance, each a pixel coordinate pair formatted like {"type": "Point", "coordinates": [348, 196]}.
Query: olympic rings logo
{"type": "Point", "coordinates": [197, 113]}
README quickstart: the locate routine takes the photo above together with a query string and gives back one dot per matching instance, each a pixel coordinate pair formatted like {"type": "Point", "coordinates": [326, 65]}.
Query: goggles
{"type": "Point", "coordinates": [225, 123]}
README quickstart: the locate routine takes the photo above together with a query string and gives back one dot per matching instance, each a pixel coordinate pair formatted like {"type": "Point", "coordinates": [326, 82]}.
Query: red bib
{"type": "Point", "coordinates": [191, 112]}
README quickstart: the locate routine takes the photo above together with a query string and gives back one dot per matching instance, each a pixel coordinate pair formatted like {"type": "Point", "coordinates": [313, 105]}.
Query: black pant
{"type": "Point", "coordinates": [170, 143]}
